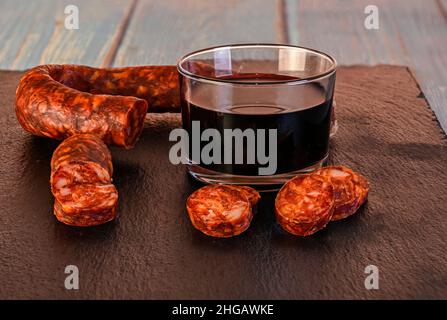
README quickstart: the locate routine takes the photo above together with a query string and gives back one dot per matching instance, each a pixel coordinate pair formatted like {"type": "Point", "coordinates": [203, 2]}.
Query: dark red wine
{"type": "Point", "coordinates": [302, 128]}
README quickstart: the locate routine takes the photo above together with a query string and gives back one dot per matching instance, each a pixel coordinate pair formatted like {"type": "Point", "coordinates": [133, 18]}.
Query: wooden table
{"type": "Point", "coordinates": [151, 251]}
{"type": "Point", "coordinates": [136, 32]}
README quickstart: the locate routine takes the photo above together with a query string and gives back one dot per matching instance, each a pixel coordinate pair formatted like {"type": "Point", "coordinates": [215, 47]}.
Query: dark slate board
{"type": "Point", "coordinates": [387, 132]}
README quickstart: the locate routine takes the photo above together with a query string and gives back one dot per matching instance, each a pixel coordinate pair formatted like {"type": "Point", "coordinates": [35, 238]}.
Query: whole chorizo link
{"type": "Point", "coordinates": [58, 101]}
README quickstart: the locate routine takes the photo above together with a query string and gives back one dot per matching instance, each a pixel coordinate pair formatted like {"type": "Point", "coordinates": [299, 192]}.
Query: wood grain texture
{"type": "Point", "coordinates": [162, 31]}
{"type": "Point", "coordinates": [412, 33]}
{"type": "Point", "coordinates": [33, 32]}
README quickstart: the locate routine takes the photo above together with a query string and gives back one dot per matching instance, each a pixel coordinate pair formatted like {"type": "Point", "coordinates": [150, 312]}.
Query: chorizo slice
{"type": "Point", "coordinates": [82, 158]}
{"type": "Point", "coordinates": [83, 148]}
{"type": "Point", "coordinates": [55, 101]}
{"type": "Point", "coordinates": [350, 190]}
{"type": "Point", "coordinates": [305, 204]}
{"type": "Point", "coordinates": [81, 175]}
{"type": "Point", "coordinates": [219, 211]}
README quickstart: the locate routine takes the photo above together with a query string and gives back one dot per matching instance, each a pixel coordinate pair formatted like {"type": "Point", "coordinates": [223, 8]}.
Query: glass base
{"type": "Point", "coordinates": [261, 183]}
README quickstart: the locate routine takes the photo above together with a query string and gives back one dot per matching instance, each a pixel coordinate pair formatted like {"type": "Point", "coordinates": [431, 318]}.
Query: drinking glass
{"type": "Point", "coordinates": [256, 114]}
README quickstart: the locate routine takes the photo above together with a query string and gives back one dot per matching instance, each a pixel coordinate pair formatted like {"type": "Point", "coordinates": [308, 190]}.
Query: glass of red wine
{"type": "Point", "coordinates": [255, 114]}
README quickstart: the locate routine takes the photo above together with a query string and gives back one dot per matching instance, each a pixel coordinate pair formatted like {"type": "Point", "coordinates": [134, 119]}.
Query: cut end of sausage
{"type": "Point", "coordinates": [81, 175]}
{"type": "Point", "coordinates": [135, 123]}
{"type": "Point", "coordinates": [219, 211]}
{"type": "Point", "coordinates": [82, 148]}
{"type": "Point", "coordinates": [58, 101]}
{"type": "Point", "coordinates": [305, 204]}
{"type": "Point", "coordinates": [350, 190]}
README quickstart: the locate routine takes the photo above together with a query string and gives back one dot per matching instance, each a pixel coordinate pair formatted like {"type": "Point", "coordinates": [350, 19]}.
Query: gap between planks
{"type": "Point", "coordinates": [120, 34]}
{"type": "Point", "coordinates": [411, 33]}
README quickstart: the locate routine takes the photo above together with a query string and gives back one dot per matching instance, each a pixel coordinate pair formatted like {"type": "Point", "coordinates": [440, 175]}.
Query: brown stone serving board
{"type": "Point", "coordinates": [387, 132]}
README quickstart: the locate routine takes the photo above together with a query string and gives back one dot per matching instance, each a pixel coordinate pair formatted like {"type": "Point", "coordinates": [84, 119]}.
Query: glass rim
{"type": "Point", "coordinates": [318, 76]}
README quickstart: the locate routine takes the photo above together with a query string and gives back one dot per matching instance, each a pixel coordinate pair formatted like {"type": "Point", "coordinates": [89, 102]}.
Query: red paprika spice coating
{"type": "Point", "coordinates": [57, 101]}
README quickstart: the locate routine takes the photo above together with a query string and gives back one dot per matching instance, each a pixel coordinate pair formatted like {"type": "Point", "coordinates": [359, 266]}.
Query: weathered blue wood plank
{"type": "Point", "coordinates": [161, 31]}
{"type": "Point", "coordinates": [33, 32]}
{"type": "Point", "coordinates": [411, 32]}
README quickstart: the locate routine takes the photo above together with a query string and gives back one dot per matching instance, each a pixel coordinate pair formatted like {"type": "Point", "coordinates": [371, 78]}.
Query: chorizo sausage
{"type": "Point", "coordinates": [305, 204]}
{"type": "Point", "coordinates": [350, 190]}
{"type": "Point", "coordinates": [157, 85]}
{"type": "Point", "coordinates": [82, 158]}
{"type": "Point", "coordinates": [81, 176]}
{"type": "Point", "coordinates": [58, 101]}
{"type": "Point", "coordinates": [219, 210]}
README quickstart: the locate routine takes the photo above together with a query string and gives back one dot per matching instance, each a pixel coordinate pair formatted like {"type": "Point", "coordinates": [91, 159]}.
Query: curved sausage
{"type": "Point", "coordinates": [305, 204]}
{"type": "Point", "coordinates": [350, 190]}
{"type": "Point", "coordinates": [219, 211]}
{"type": "Point", "coordinates": [57, 101]}
{"type": "Point", "coordinates": [157, 85]}
{"type": "Point", "coordinates": [81, 176]}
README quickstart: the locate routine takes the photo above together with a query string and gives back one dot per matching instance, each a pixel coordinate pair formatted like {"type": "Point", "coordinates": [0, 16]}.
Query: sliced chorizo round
{"type": "Point", "coordinates": [81, 176]}
{"type": "Point", "coordinates": [305, 204]}
{"type": "Point", "coordinates": [350, 190]}
{"type": "Point", "coordinates": [219, 210]}
{"type": "Point", "coordinates": [82, 158]}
